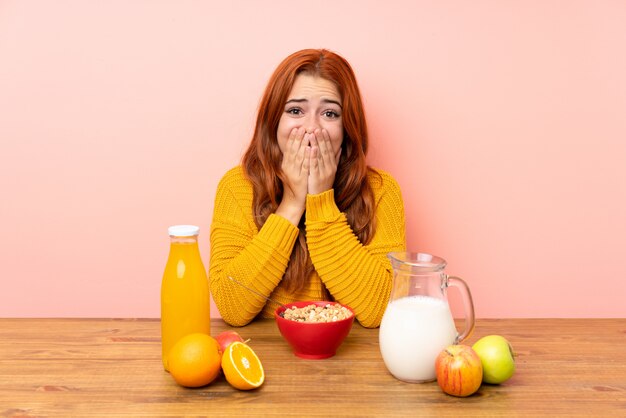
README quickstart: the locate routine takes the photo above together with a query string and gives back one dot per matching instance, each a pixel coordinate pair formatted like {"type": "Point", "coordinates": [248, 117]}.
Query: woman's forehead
{"type": "Point", "coordinates": [308, 86]}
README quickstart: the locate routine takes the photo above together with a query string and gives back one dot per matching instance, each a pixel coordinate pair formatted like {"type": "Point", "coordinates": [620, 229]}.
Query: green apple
{"type": "Point", "coordinates": [498, 359]}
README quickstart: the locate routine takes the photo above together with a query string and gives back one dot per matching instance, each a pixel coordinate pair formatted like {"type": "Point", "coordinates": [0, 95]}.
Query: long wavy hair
{"type": "Point", "coordinates": [262, 160]}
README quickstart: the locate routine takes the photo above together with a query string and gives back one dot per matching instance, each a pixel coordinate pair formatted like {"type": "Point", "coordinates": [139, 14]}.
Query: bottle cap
{"type": "Point", "coordinates": [183, 230]}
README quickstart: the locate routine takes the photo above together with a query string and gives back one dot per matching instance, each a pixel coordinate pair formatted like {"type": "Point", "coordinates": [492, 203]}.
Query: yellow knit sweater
{"type": "Point", "coordinates": [356, 275]}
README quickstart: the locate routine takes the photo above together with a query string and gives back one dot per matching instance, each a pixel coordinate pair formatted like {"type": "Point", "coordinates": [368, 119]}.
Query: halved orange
{"type": "Point", "coordinates": [241, 366]}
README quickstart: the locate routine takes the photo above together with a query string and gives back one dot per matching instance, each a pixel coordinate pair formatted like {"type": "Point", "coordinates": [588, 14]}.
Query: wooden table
{"type": "Point", "coordinates": [109, 367]}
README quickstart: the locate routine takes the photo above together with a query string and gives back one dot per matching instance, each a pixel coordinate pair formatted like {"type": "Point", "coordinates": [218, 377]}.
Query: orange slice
{"type": "Point", "coordinates": [241, 366]}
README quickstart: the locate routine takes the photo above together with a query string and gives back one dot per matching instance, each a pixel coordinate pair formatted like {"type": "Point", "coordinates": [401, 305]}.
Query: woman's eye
{"type": "Point", "coordinates": [294, 111]}
{"type": "Point", "coordinates": [331, 114]}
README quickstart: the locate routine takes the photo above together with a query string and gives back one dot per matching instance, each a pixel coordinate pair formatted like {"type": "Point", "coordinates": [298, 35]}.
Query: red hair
{"type": "Point", "coordinates": [262, 160]}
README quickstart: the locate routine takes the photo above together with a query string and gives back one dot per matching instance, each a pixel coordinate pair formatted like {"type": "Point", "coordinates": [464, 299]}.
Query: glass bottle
{"type": "Point", "coordinates": [185, 301]}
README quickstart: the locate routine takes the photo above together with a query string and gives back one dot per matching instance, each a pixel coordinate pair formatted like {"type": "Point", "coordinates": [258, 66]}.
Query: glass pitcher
{"type": "Point", "coordinates": [418, 323]}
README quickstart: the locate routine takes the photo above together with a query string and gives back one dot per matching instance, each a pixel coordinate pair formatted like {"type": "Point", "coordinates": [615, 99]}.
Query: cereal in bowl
{"type": "Point", "coordinates": [332, 312]}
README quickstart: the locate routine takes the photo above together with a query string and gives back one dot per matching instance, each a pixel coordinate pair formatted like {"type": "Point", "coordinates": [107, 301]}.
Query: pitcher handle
{"type": "Point", "coordinates": [468, 307]}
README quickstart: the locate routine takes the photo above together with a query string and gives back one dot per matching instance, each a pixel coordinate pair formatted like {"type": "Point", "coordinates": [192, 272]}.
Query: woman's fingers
{"type": "Point", "coordinates": [303, 150]}
{"type": "Point", "coordinates": [294, 156]}
{"type": "Point", "coordinates": [328, 154]}
{"type": "Point", "coordinates": [315, 152]}
{"type": "Point", "coordinates": [295, 165]}
{"type": "Point", "coordinates": [306, 163]}
{"type": "Point", "coordinates": [294, 142]}
{"type": "Point", "coordinates": [324, 160]}
{"type": "Point", "coordinates": [291, 141]}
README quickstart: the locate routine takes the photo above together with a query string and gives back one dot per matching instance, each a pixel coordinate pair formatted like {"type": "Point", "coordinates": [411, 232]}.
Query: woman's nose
{"type": "Point", "coordinates": [311, 124]}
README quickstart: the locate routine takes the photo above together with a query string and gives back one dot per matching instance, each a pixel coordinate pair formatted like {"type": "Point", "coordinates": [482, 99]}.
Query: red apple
{"type": "Point", "coordinates": [225, 338]}
{"type": "Point", "coordinates": [459, 370]}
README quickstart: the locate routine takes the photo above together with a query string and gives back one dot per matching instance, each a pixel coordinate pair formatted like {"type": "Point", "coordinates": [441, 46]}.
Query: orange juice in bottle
{"type": "Point", "coordinates": [185, 302]}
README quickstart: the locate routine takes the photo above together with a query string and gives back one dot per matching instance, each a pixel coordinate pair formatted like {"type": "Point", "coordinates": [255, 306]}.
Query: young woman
{"type": "Point", "coordinates": [304, 217]}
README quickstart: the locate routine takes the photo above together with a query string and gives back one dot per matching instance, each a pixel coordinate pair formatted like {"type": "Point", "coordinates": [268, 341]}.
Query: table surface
{"type": "Point", "coordinates": [112, 367]}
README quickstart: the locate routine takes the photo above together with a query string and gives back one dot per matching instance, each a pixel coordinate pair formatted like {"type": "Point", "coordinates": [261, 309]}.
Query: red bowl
{"type": "Point", "coordinates": [313, 340]}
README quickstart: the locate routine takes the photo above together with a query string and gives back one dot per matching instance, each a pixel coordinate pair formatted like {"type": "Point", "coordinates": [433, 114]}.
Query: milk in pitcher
{"type": "Point", "coordinates": [413, 332]}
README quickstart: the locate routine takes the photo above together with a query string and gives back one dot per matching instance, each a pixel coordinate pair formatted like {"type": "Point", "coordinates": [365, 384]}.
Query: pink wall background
{"type": "Point", "coordinates": [503, 121]}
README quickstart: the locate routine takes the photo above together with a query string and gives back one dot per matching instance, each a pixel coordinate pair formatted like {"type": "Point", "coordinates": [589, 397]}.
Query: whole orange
{"type": "Point", "coordinates": [195, 360]}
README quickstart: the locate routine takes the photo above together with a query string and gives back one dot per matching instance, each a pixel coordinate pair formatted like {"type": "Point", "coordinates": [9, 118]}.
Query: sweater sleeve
{"type": "Point", "coordinates": [357, 275]}
{"type": "Point", "coordinates": [257, 259]}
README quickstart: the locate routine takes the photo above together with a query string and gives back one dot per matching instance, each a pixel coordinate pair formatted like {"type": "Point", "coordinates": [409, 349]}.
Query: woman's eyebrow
{"type": "Point", "coordinates": [323, 101]}
{"type": "Point", "coordinates": [332, 101]}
